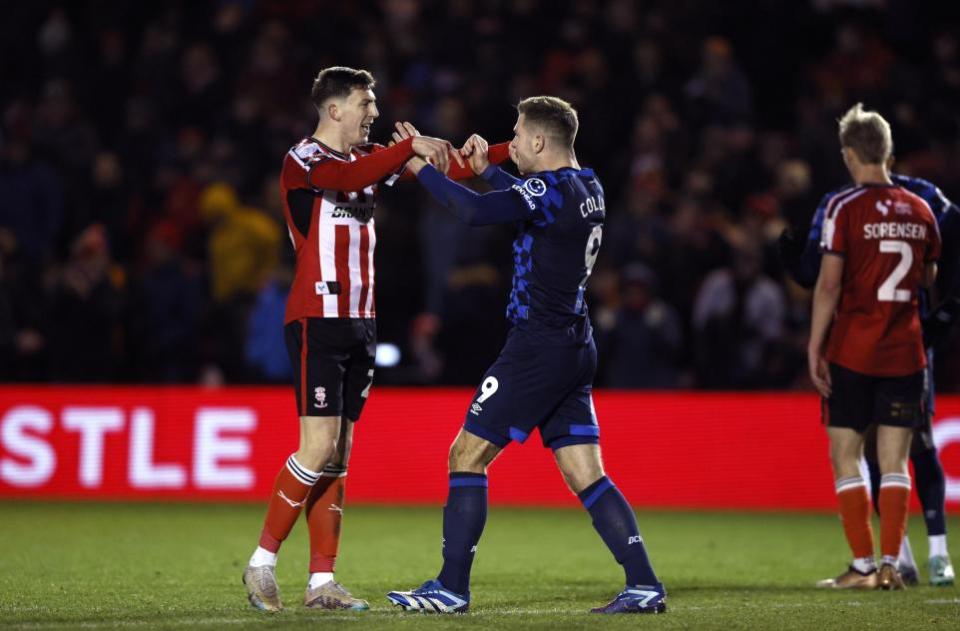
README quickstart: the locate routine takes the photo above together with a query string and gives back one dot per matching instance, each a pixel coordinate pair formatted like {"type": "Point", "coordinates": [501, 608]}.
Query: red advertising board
{"type": "Point", "coordinates": [679, 450]}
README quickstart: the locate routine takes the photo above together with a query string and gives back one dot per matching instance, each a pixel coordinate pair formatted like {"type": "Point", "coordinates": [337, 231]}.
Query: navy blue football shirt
{"type": "Point", "coordinates": [559, 217]}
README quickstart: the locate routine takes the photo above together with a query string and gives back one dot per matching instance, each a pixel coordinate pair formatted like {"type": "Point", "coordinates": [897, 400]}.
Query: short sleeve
{"type": "Point", "coordinates": [816, 223]}
{"type": "Point", "coordinates": [835, 235]}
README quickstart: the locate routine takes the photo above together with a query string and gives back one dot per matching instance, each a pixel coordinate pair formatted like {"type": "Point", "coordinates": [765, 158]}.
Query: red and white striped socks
{"type": "Point", "coordinates": [289, 496]}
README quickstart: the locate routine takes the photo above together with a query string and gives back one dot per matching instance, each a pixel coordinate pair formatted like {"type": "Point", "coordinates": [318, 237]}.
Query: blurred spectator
{"type": "Point", "coordinates": [243, 246]}
{"type": "Point", "coordinates": [642, 347]}
{"type": "Point", "coordinates": [719, 93]}
{"type": "Point", "coordinates": [166, 303]}
{"type": "Point", "coordinates": [86, 311]}
{"type": "Point", "coordinates": [738, 318]}
{"type": "Point", "coordinates": [265, 349]}
{"type": "Point", "coordinates": [31, 205]}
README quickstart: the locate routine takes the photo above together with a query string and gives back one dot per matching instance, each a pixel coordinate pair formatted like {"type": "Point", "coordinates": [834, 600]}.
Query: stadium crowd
{"type": "Point", "coordinates": [141, 232]}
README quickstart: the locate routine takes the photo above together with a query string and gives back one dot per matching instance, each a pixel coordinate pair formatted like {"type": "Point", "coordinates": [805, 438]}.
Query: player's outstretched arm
{"type": "Point", "coordinates": [364, 171]}
{"type": "Point", "coordinates": [337, 175]}
{"type": "Point", "coordinates": [470, 207]}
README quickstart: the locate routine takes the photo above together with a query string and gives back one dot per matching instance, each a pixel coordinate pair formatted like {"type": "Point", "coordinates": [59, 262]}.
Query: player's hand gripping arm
{"type": "Point", "coordinates": [484, 158]}
{"type": "Point", "coordinates": [826, 296]}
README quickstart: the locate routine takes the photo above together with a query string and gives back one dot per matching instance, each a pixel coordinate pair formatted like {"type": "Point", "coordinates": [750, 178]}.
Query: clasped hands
{"type": "Point", "coordinates": [438, 152]}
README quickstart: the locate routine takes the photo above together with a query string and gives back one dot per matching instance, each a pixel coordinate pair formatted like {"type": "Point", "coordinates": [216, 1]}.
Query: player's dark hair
{"type": "Point", "coordinates": [337, 82]}
{"type": "Point", "coordinates": [554, 115]}
{"type": "Point", "coordinates": [867, 133]}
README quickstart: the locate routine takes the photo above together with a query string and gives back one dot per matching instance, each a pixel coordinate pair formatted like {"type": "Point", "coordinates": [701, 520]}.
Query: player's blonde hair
{"type": "Point", "coordinates": [866, 133]}
{"type": "Point", "coordinates": [554, 115]}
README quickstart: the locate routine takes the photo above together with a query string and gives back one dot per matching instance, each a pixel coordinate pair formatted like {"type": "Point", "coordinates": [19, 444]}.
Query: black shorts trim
{"type": "Point", "coordinates": [858, 401]}
{"type": "Point", "coordinates": [333, 364]}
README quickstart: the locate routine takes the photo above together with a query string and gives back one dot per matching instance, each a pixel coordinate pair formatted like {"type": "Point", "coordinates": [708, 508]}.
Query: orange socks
{"type": "Point", "coordinates": [894, 503]}
{"type": "Point", "coordinates": [324, 515]}
{"type": "Point", "coordinates": [855, 515]}
{"type": "Point", "coordinates": [289, 492]}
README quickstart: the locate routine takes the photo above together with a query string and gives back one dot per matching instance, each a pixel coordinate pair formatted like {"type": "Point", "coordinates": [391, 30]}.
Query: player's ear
{"type": "Point", "coordinates": [539, 142]}
{"type": "Point", "coordinates": [333, 111]}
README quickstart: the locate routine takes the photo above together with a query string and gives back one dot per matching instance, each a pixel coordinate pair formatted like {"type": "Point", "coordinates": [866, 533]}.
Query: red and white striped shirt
{"type": "Point", "coordinates": [329, 199]}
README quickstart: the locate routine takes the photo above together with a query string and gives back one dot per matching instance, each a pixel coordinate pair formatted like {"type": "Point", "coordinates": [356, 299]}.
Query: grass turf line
{"type": "Point", "coordinates": [177, 566]}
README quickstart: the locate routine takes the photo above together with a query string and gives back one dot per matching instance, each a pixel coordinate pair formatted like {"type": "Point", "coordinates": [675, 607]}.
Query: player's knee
{"type": "Point", "coordinates": [845, 462]}
{"type": "Point", "coordinates": [344, 447]}
{"type": "Point", "coordinates": [580, 477]}
{"type": "Point", "coordinates": [462, 459]}
{"type": "Point", "coordinates": [892, 463]}
{"type": "Point", "coordinates": [577, 481]}
{"type": "Point", "coordinates": [314, 457]}
{"type": "Point", "coordinates": [316, 450]}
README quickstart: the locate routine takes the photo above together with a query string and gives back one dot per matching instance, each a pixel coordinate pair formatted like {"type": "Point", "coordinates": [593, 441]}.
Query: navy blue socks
{"type": "Point", "coordinates": [463, 519]}
{"type": "Point", "coordinates": [931, 487]}
{"type": "Point", "coordinates": [615, 521]}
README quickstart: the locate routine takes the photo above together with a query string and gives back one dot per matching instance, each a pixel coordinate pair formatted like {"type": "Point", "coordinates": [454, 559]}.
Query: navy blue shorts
{"type": "Point", "coordinates": [536, 386]}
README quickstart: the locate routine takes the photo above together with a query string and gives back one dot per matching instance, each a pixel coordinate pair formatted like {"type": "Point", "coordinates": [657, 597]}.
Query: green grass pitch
{"type": "Point", "coordinates": [178, 566]}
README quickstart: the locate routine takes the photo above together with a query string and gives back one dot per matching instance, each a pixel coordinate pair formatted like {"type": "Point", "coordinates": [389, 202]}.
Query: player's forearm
{"type": "Point", "coordinates": [498, 178]}
{"type": "Point", "coordinates": [497, 154]}
{"type": "Point", "coordinates": [471, 208]}
{"type": "Point", "coordinates": [354, 176]}
{"type": "Point", "coordinates": [825, 300]}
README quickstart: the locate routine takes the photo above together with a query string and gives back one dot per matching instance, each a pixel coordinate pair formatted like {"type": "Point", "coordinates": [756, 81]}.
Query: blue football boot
{"type": "Point", "coordinates": [637, 599]}
{"type": "Point", "coordinates": [431, 597]}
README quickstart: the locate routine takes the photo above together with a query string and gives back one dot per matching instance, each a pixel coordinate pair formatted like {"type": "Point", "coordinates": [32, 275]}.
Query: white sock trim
{"type": "Point", "coordinates": [333, 471]}
{"type": "Point", "coordinates": [301, 473]}
{"type": "Point", "coordinates": [938, 546]}
{"type": "Point", "coordinates": [905, 558]}
{"type": "Point", "coordinates": [897, 480]}
{"type": "Point", "coordinates": [847, 484]}
{"type": "Point", "coordinates": [319, 578]}
{"type": "Point", "coordinates": [262, 556]}
{"type": "Point", "coordinates": [864, 565]}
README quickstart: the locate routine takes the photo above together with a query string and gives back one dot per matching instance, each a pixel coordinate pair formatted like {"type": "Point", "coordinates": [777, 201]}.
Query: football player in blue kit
{"type": "Point", "coordinates": [802, 262]}
{"type": "Point", "coordinates": [543, 377]}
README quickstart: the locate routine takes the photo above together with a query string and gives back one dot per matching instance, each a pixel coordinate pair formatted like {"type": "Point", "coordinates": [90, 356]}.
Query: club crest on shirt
{"type": "Point", "coordinates": [320, 396]}
{"type": "Point", "coordinates": [535, 187]}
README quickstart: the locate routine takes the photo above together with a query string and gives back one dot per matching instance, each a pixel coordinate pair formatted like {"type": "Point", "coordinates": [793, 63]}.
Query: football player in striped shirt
{"type": "Point", "coordinates": [329, 185]}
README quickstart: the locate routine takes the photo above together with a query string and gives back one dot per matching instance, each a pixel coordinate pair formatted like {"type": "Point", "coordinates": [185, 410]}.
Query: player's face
{"type": "Point", "coordinates": [357, 116]}
{"type": "Point", "coordinates": [521, 147]}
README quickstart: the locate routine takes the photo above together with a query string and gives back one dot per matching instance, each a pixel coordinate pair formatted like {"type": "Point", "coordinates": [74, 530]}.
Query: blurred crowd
{"type": "Point", "coordinates": [141, 231]}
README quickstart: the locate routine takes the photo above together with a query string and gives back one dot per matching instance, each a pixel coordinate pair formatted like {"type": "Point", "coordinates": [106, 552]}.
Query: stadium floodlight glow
{"type": "Point", "coordinates": [388, 355]}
